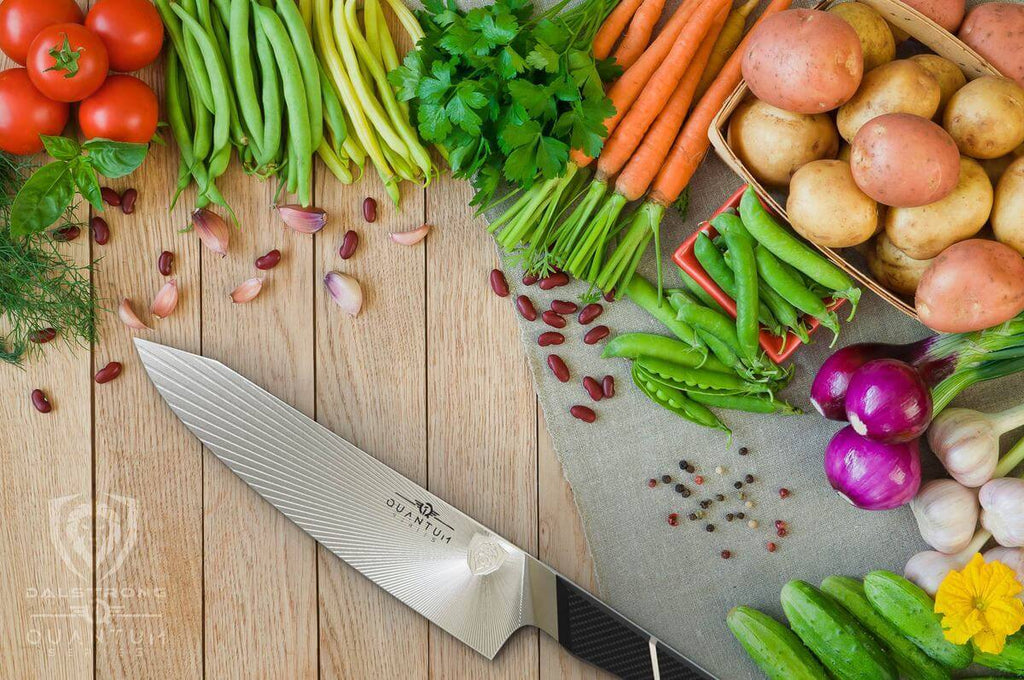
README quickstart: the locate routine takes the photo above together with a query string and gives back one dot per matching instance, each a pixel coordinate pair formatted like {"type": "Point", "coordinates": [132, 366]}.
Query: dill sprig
{"type": "Point", "coordinates": [40, 287]}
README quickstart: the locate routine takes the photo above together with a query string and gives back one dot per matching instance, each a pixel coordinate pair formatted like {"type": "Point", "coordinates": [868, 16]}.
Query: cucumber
{"type": "Point", "coordinates": [1010, 660]}
{"type": "Point", "coordinates": [912, 611]}
{"type": "Point", "coordinates": [910, 661]}
{"type": "Point", "coordinates": [843, 646]}
{"type": "Point", "coordinates": [775, 649]}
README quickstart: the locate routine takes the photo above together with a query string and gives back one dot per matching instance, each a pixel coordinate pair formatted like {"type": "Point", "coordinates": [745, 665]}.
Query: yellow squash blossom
{"type": "Point", "coordinates": [979, 603]}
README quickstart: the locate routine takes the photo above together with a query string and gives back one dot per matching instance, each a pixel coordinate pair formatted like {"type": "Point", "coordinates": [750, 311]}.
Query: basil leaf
{"type": "Point", "coordinates": [84, 177]}
{"type": "Point", "coordinates": [115, 159]}
{"type": "Point", "coordinates": [42, 199]}
{"type": "Point", "coordinates": [61, 148]}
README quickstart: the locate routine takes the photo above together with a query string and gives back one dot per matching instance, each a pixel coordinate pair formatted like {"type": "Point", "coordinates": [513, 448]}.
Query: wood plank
{"type": "Point", "coordinates": [259, 568]}
{"type": "Point", "coordinates": [143, 454]}
{"type": "Point", "coordinates": [482, 443]}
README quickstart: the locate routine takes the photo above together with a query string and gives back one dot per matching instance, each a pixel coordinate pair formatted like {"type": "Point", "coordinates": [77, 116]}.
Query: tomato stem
{"type": "Point", "coordinates": [65, 58]}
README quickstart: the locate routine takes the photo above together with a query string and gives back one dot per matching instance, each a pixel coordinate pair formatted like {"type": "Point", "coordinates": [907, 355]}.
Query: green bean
{"type": "Point", "coordinates": [710, 321]}
{"type": "Point", "coordinates": [224, 9]}
{"type": "Point", "coordinates": [640, 291]}
{"type": "Point", "coordinates": [334, 114]}
{"type": "Point", "coordinates": [193, 54]}
{"type": "Point", "coordinates": [239, 135]}
{"type": "Point", "coordinates": [291, 171]}
{"type": "Point", "coordinates": [675, 401]}
{"type": "Point", "coordinates": [216, 72]}
{"type": "Point", "coordinates": [793, 290]}
{"type": "Point", "coordinates": [177, 121]}
{"type": "Point", "coordinates": [699, 378]}
{"type": "Point", "coordinates": [179, 43]}
{"type": "Point", "coordinates": [636, 345]}
{"type": "Point", "coordinates": [241, 69]}
{"type": "Point", "coordinates": [786, 247]}
{"type": "Point", "coordinates": [270, 96]}
{"type": "Point", "coordinates": [306, 10]}
{"type": "Point", "coordinates": [219, 160]}
{"type": "Point", "coordinates": [748, 403]}
{"type": "Point", "coordinates": [741, 249]}
{"type": "Point", "coordinates": [202, 130]}
{"type": "Point", "coordinates": [337, 166]}
{"type": "Point", "coordinates": [307, 61]}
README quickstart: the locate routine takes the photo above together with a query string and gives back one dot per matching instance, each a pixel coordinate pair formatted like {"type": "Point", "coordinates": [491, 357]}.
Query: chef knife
{"type": "Point", "coordinates": [445, 565]}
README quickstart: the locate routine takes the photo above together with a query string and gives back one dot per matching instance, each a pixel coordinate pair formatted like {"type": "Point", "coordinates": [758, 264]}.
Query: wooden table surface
{"type": "Point", "coordinates": [127, 551]}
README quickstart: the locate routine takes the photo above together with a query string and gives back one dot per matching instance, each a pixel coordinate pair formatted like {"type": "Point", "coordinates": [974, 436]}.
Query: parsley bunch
{"type": "Point", "coordinates": [507, 94]}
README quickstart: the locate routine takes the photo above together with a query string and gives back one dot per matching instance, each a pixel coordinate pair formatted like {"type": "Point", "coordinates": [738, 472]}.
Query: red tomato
{"type": "Point", "coordinates": [25, 114]}
{"type": "Point", "coordinates": [21, 21]}
{"type": "Point", "coordinates": [131, 30]}
{"type": "Point", "coordinates": [67, 62]}
{"type": "Point", "coordinates": [123, 109]}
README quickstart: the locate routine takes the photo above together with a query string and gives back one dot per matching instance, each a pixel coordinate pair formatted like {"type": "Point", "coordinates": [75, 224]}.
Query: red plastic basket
{"type": "Point", "coordinates": [778, 349]}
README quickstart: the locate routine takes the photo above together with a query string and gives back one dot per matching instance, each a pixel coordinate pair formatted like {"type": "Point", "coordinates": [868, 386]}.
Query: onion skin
{"type": "Point", "coordinates": [888, 401]}
{"type": "Point", "coordinates": [828, 391]}
{"type": "Point", "coordinates": [872, 475]}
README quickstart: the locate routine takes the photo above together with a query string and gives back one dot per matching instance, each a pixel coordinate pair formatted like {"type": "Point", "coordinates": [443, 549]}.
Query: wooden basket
{"type": "Point", "coordinates": [926, 32]}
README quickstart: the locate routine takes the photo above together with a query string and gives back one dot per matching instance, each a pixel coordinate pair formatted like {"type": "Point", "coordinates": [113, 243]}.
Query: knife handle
{"type": "Point", "coordinates": [596, 633]}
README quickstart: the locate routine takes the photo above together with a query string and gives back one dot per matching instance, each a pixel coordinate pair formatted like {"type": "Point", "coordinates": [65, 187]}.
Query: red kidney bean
{"type": "Point", "coordinates": [100, 230]}
{"type": "Point", "coordinates": [128, 199]}
{"type": "Point", "coordinates": [41, 401]}
{"type": "Point", "coordinates": [530, 279]}
{"type": "Point", "coordinates": [109, 196]}
{"type": "Point", "coordinates": [268, 261]}
{"type": "Point", "coordinates": [552, 319]}
{"type": "Point", "coordinates": [608, 387]}
{"type": "Point", "coordinates": [164, 262]}
{"type": "Point", "coordinates": [526, 308]}
{"type": "Point", "coordinates": [558, 367]}
{"type": "Point", "coordinates": [593, 388]}
{"type": "Point", "coordinates": [554, 281]}
{"type": "Point", "coordinates": [369, 209]}
{"type": "Point", "coordinates": [108, 372]}
{"type": "Point", "coordinates": [498, 283]}
{"type": "Point", "coordinates": [596, 334]}
{"type": "Point", "coordinates": [563, 307]}
{"type": "Point", "coordinates": [65, 234]}
{"type": "Point", "coordinates": [589, 313]}
{"type": "Point", "coordinates": [42, 336]}
{"type": "Point", "coordinates": [610, 296]}
{"type": "Point", "coordinates": [583, 413]}
{"type": "Point", "coordinates": [550, 338]}
{"type": "Point", "coordinates": [349, 243]}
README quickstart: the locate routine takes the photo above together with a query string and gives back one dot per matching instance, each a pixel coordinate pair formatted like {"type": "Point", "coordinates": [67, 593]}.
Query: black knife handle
{"type": "Point", "coordinates": [599, 635]}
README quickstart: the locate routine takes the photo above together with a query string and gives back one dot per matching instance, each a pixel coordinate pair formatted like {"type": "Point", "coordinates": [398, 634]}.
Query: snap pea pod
{"type": "Point", "coordinates": [788, 248]}
{"type": "Point", "coordinates": [783, 311]}
{"type": "Point", "coordinates": [710, 321]}
{"type": "Point", "coordinates": [748, 403]}
{"type": "Point", "coordinates": [640, 291]}
{"type": "Point", "coordinates": [719, 349]}
{"type": "Point", "coordinates": [307, 62]}
{"type": "Point", "coordinates": [699, 293]}
{"type": "Point", "coordinates": [741, 249]}
{"type": "Point", "coordinates": [689, 379]}
{"type": "Point", "coordinates": [636, 345]}
{"type": "Point", "coordinates": [241, 70]}
{"type": "Point", "coordinates": [713, 262]}
{"type": "Point", "coordinates": [676, 401]}
{"type": "Point", "coordinates": [270, 96]}
{"type": "Point", "coordinates": [793, 290]}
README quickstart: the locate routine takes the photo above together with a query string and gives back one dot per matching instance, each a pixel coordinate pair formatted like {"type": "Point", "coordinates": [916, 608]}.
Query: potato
{"type": "Point", "coordinates": [844, 152]}
{"type": "Point", "coordinates": [826, 207]}
{"type": "Point", "coordinates": [897, 87]}
{"type": "Point", "coordinates": [803, 60]}
{"type": "Point", "coordinates": [972, 285]}
{"type": "Point", "coordinates": [893, 268]}
{"type": "Point", "coordinates": [947, 74]}
{"type": "Point", "coordinates": [1008, 209]}
{"type": "Point", "coordinates": [876, 41]}
{"type": "Point", "coordinates": [946, 13]}
{"type": "Point", "coordinates": [995, 30]}
{"type": "Point", "coordinates": [904, 161]}
{"type": "Point", "coordinates": [774, 143]}
{"type": "Point", "coordinates": [986, 117]}
{"type": "Point", "coordinates": [995, 167]}
{"type": "Point", "coordinates": [927, 230]}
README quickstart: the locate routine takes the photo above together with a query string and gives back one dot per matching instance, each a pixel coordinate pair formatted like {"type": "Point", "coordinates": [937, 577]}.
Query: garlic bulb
{"type": "Point", "coordinates": [946, 514]}
{"type": "Point", "coordinates": [967, 442]}
{"type": "Point", "coordinates": [1002, 503]}
{"type": "Point", "coordinates": [1011, 557]}
{"type": "Point", "coordinates": [928, 569]}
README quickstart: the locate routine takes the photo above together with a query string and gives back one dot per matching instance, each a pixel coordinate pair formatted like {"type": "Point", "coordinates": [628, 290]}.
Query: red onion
{"type": "Point", "coordinates": [828, 391]}
{"type": "Point", "coordinates": [888, 400]}
{"type": "Point", "coordinates": [870, 474]}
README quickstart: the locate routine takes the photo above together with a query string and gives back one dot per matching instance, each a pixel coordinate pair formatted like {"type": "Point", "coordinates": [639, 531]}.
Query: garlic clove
{"type": "Point", "coordinates": [1011, 557]}
{"type": "Point", "coordinates": [345, 291]}
{"type": "Point", "coordinates": [302, 220]}
{"type": "Point", "coordinates": [412, 237]}
{"type": "Point", "coordinates": [166, 300]}
{"type": "Point", "coordinates": [928, 569]}
{"type": "Point", "coordinates": [1002, 503]}
{"type": "Point", "coordinates": [129, 317]}
{"type": "Point", "coordinates": [946, 514]}
{"type": "Point", "coordinates": [966, 442]}
{"type": "Point", "coordinates": [212, 229]}
{"type": "Point", "coordinates": [247, 291]}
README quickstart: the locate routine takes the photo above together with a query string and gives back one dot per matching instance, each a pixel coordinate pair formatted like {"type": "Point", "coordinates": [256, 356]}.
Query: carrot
{"type": "Point", "coordinates": [692, 142]}
{"type": "Point", "coordinates": [645, 162]}
{"type": "Point", "coordinates": [613, 27]}
{"type": "Point", "coordinates": [628, 135]}
{"type": "Point", "coordinates": [638, 35]}
{"type": "Point", "coordinates": [730, 37]}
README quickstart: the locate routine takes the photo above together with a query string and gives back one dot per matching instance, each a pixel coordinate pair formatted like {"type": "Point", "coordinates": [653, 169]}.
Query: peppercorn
{"type": "Point", "coordinates": [737, 485]}
{"type": "Point", "coordinates": [689, 468]}
{"type": "Point", "coordinates": [679, 488]}
{"type": "Point", "coordinates": [781, 532]}
{"type": "Point", "coordinates": [705, 504]}
{"type": "Point", "coordinates": [719, 470]}
{"type": "Point", "coordinates": [752, 524]}
{"type": "Point", "coordinates": [744, 450]}
{"type": "Point", "coordinates": [726, 554]}
{"type": "Point", "coordinates": [698, 480]}
{"type": "Point", "coordinates": [673, 519]}
{"type": "Point", "coordinates": [685, 492]}
{"type": "Point", "coordinates": [667, 479]}
{"type": "Point", "coordinates": [709, 528]}
{"type": "Point", "coordinates": [771, 546]}
{"type": "Point", "coordinates": [783, 492]}
{"type": "Point", "coordinates": [652, 483]}
{"type": "Point", "coordinates": [683, 464]}
{"type": "Point", "coordinates": [749, 479]}
{"type": "Point", "coordinates": [719, 497]}
{"type": "Point", "coordinates": [779, 524]}
{"type": "Point", "coordinates": [729, 517]}
{"type": "Point", "coordinates": [740, 515]}
{"type": "Point", "coordinates": [692, 516]}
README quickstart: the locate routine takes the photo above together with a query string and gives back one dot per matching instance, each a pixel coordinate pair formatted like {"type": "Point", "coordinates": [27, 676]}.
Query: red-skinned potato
{"type": "Point", "coordinates": [971, 285]}
{"type": "Point", "coordinates": [946, 13]}
{"type": "Point", "coordinates": [902, 160]}
{"type": "Point", "coordinates": [995, 30]}
{"type": "Point", "coordinates": [803, 60]}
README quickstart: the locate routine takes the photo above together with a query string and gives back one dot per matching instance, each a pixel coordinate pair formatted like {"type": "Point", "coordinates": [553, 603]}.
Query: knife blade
{"type": "Point", "coordinates": [431, 556]}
